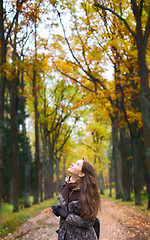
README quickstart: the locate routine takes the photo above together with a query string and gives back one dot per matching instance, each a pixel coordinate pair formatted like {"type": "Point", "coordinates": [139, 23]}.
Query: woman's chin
{"type": "Point", "coordinates": [69, 170]}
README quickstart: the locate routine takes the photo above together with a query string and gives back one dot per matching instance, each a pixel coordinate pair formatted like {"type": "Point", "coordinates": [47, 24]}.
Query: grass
{"type": "Point", "coordinates": [9, 221]}
{"type": "Point", "coordinates": [140, 208]}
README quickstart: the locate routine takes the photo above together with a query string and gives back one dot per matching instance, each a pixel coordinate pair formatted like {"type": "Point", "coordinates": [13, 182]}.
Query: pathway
{"type": "Point", "coordinates": [117, 222]}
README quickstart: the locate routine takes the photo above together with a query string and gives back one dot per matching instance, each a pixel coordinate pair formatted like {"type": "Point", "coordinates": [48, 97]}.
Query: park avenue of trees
{"type": "Point", "coordinates": [57, 103]}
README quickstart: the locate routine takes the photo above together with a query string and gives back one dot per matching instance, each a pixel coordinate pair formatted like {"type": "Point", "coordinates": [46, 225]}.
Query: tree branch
{"type": "Point", "coordinates": [96, 4]}
{"type": "Point", "coordinates": [74, 79]}
{"type": "Point", "coordinates": [15, 17]}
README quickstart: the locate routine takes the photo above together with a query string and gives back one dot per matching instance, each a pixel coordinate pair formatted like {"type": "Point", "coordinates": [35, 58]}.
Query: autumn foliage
{"type": "Point", "coordinates": [74, 82]}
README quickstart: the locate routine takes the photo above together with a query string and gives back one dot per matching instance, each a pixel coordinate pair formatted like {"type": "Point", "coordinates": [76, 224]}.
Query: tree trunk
{"type": "Point", "coordinates": [46, 165]}
{"type": "Point", "coordinates": [41, 182]}
{"type": "Point", "coordinates": [57, 177]}
{"type": "Point", "coordinates": [101, 183]}
{"type": "Point", "coordinates": [64, 169]}
{"type": "Point", "coordinates": [51, 172]}
{"type": "Point", "coordinates": [110, 179]}
{"type": "Point", "coordinates": [36, 114]}
{"type": "Point", "coordinates": [14, 146]}
{"type": "Point", "coordinates": [27, 169]}
{"type": "Point", "coordinates": [144, 86]}
{"type": "Point", "coordinates": [125, 166]}
{"type": "Point", "coordinates": [27, 150]}
{"type": "Point", "coordinates": [148, 190]}
{"type": "Point", "coordinates": [116, 160]}
{"type": "Point", "coordinates": [27, 179]}
{"type": "Point", "coordinates": [14, 140]}
{"type": "Point", "coordinates": [137, 171]}
{"type": "Point", "coordinates": [47, 183]}
{"type": "Point", "coordinates": [2, 94]}
{"type": "Point", "coordinates": [37, 157]}
{"type": "Point", "coordinates": [145, 109]}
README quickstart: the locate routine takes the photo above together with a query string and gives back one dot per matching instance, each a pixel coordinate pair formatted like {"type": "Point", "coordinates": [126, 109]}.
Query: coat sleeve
{"type": "Point", "coordinates": [77, 221]}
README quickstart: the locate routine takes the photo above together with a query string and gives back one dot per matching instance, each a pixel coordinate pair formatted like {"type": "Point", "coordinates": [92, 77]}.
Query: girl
{"type": "Point", "coordinates": [79, 203]}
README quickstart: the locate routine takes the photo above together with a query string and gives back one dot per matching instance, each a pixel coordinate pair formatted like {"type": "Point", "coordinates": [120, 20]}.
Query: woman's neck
{"type": "Point", "coordinates": [74, 179]}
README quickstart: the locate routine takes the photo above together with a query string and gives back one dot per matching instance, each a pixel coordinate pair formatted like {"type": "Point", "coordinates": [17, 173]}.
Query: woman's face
{"type": "Point", "coordinates": [76, 168]}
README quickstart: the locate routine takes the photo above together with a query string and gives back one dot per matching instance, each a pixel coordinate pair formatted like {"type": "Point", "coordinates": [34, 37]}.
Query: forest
{"type": "Point", "coordinates": [74, 83]}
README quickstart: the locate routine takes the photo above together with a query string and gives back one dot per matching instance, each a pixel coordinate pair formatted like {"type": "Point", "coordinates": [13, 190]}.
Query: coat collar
{"type": "Point", "coordinates": [70, 194]}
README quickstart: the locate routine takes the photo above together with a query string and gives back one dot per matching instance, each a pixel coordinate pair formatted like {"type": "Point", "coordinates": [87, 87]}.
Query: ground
{"type": "Point", "coordinates": [117, 222]}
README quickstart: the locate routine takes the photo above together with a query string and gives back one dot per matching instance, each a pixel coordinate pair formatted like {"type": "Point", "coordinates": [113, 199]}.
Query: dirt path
{"type": "Point", "coordinates": [121, 222]}
{"type": "Point", "coordinates": [117, 222]}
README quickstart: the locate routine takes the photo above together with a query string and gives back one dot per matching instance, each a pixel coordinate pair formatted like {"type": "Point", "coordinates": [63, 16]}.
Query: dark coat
{"type": "Point", "coordinates": [74, 227]}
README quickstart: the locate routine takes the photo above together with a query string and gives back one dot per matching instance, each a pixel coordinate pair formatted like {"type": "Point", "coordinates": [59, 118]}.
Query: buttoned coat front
{"type": "Point", "coordinates": [74, 227]}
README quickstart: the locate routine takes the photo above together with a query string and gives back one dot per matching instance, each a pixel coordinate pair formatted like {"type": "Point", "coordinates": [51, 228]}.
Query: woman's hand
{"type": "Point", "coordinates": [59, 211]}
{"type": "Point", "coordinates": [56, 210]}
{"type": "Point", "coordinates": [63, 213]}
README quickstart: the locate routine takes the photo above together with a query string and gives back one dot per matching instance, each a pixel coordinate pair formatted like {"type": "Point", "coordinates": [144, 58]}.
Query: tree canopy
{"type": "Point", "coordinates": [58, 102]}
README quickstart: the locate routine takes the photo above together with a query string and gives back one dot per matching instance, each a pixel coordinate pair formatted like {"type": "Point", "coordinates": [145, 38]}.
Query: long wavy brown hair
{"type": "Point", "coordinates": [89, 196]}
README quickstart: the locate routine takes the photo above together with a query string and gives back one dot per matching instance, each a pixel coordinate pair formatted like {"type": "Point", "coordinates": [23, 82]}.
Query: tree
{"type": "Point", "coordinates": [141, 13]}
{"type": "Point", "coordinates": [54, 127]}
{"type": "Point", "coordinates": [85, 69]}
{"type": "Point", "coordinates": [92, 80]}
{"type": "Point", "coordinates": [4, 40]}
